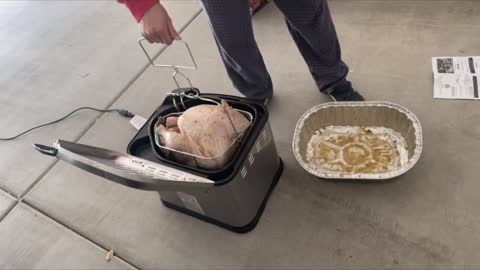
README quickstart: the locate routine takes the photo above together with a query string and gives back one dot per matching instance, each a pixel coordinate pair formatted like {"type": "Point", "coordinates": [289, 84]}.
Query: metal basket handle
{"type": "Point", "coordinates": [176, 69]}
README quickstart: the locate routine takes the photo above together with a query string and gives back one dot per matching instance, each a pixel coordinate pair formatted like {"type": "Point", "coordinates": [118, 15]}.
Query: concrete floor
{"type": "Point", "coordinates": [61, 55]}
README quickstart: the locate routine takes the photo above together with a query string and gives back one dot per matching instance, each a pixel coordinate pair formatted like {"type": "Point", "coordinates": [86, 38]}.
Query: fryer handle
{"type": "Point", "coordinates": [46, 150]}
{"type": "Point", "coordinates": [176, 69]}
{"type": "Point", "coordinates": [125, 169]}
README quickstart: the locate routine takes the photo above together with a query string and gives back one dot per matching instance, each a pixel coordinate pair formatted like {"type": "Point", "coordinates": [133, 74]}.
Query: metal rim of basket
{"type": "Point", "coordinates": [342, 176]}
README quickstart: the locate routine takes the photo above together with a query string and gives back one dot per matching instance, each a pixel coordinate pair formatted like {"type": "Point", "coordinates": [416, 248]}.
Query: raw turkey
{"type": "Point", "coordinates": [205, 131]}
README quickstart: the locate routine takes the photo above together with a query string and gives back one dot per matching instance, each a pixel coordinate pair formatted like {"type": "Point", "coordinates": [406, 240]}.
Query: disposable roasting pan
{"type": "Point", "coordinates": [366, 114]}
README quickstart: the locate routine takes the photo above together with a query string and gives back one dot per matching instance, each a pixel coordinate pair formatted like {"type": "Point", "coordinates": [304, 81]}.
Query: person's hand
{"type": "Point", "coordinates": [157, 27]}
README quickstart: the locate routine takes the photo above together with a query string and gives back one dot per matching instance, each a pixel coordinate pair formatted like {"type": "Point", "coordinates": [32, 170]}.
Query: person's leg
{"type": "Point", "coordinates": [311, 26]}
{"type": "Point", "coordinates": [232, 29]}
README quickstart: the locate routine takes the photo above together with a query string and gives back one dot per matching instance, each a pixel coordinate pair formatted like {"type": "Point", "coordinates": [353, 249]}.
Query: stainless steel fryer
{"type": "Point", "coordinates": [233, 197]}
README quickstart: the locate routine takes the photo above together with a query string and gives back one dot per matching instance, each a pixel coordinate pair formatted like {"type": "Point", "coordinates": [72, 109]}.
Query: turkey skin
{"type": "Point", "coordinates": [205, 131]}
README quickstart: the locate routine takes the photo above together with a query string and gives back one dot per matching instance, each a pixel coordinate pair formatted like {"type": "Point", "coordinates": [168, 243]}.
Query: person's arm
{"type": "Point", "coordinates": [138, 7]}
{"type": "Point", "coordinates": [154, 21]}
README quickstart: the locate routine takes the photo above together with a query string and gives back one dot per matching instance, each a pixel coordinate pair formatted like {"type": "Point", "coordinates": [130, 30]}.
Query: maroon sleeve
{"type": "Point", "coordinates": [138, 7]}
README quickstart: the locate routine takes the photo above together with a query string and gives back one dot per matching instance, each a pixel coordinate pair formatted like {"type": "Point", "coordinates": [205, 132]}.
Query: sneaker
{"type": "Point", "coordinates": [345, 92]}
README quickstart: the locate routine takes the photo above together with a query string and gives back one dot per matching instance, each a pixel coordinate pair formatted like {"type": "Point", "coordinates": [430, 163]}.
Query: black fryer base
{"type": "Point", "coordinates": [244, 229]}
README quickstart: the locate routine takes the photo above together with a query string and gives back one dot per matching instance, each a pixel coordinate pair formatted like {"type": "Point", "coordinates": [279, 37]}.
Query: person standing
{"type": "Point", "coordinates": [309, 23]}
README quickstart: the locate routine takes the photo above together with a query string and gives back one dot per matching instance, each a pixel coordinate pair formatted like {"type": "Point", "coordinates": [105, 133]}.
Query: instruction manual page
{"type": "Point", "coordinates": [456, 77]}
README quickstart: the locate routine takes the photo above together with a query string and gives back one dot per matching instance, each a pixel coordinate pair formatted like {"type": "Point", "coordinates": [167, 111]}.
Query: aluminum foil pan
{"type": "Point", "coordinates": [359, 114]}
{"type": "Point", "coordinates": [196, 161]}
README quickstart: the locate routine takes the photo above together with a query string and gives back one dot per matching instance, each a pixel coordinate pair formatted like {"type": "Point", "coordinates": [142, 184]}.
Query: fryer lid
{"type": "Point", "coordinates": [125, 169]}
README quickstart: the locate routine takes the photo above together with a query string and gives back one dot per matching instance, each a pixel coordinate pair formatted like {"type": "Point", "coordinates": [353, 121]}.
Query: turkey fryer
{"type": "Point", "coordinates": [232, 197]}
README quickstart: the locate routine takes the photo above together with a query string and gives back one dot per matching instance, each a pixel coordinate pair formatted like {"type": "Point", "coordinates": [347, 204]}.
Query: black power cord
{"type": "Point", "coordinates": [122, 112]}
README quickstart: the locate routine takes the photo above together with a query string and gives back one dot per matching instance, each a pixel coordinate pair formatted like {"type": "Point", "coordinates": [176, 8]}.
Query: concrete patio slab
{"type": "Point", "coordinates": [31, 240]}
{"type": "Point", "coordinates": [6, 202]}
{"type": "Point", "coordinates": [58, 56]}
{"type": "Point", "coordinates": [425, 219]}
